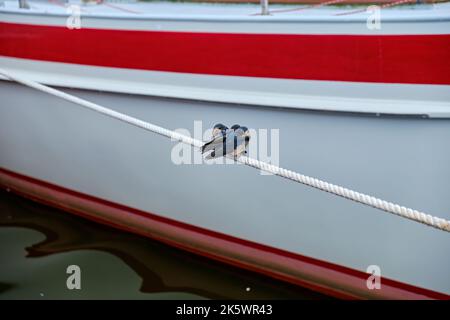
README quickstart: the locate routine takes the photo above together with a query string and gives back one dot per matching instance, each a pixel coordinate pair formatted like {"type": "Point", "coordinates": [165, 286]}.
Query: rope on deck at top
{"type": "Point", "coordinates": [386, 5]}
{"type": "Point", "coordinates": [390, 207]}
{"type": "Point", "coordinates": [311, 6]}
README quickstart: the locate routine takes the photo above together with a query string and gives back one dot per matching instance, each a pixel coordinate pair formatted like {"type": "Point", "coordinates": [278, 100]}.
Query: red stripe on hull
{"type": "Point", "coordinates": [307, 272]}
{"type": "Point", "coordinates": [420, 59]}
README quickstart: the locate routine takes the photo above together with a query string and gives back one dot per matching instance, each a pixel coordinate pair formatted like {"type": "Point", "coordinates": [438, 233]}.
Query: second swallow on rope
{"type": "Point", "coordinates": [227, 142]}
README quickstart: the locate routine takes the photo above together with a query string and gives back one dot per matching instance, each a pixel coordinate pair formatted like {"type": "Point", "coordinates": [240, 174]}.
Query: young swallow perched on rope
{"type": "Point", "coordinates": [218, 137]}
{"type": "Point", "coordinates": [233, 143]}
{"type": "Point", "coordinates": [241, 142]}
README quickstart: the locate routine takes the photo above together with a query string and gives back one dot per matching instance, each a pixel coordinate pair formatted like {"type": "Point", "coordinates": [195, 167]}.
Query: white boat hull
{"type": "Point", "coordinates": [384, 133]}
{"type": "Point", "coordinates": [399, 159]}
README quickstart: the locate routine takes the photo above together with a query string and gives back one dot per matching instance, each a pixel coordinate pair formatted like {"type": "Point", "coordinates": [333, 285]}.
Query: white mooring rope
{"type": "Point", "coordinates": [390, 207]}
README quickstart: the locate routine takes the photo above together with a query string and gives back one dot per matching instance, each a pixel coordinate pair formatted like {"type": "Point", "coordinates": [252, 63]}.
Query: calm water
{"type": "Point", "coordinates": [38, 243]}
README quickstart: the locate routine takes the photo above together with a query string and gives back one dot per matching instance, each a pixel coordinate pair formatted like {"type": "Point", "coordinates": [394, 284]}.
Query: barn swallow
{"type": "Point", "coordinates": [219, 129]}
{"type": "Point", "coordinates": [218, 135]}
{"type": "Point", "coordinates": [234, 143]}
{"type": "Point", "coordinates": [241, 148]}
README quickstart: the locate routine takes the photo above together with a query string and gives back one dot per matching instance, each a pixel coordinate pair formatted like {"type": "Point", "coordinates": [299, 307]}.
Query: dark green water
{"type": "Point", "coordinates": [38, 243]}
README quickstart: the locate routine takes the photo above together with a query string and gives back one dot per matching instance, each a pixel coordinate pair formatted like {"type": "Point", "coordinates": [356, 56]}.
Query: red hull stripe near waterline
{"type": "Point", "coordinates": [414, 59]}
{"type": "Point", "coordinates": [318, 275]}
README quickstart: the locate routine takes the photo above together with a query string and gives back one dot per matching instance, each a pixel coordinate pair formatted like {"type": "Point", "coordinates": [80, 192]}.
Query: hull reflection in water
{"type": "Point", "coordinates": [34, 267]}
